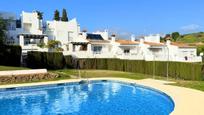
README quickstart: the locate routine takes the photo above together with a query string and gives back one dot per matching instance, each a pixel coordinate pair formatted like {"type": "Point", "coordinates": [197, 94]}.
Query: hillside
{"type": "Point", "coordinates": [192, 38]}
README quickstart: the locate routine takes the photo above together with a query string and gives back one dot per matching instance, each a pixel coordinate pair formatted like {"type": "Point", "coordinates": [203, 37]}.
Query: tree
{"type": "Point", "coordinates": [64, 15]}
{"type": "Point", "coordinates": [52, 44]}
{"type": "Point", "coordinates": [200, 49]}
{"type": "Point", "coordinates": [3, 29]}
{"type": "Point", "coordinates": [56, 15]}
{"type": "Point", "coordinates": [175, 35]}
{"type": "Point", "coordinates": [40, 15]}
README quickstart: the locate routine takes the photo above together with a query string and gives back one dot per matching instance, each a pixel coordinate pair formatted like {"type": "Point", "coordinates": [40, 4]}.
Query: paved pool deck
{"type": "Point", "coordinates": [187, 101]}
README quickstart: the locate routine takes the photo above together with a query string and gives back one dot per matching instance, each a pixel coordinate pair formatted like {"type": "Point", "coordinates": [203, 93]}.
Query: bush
{"type": "Point", "coordinates": [10, 55]}
{"type": "Point", "coordinates": [51, 60]}
{"type": "Point", "coordinates": [186, 71]}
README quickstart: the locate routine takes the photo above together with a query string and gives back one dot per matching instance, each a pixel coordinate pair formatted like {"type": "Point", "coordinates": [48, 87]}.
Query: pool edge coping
{"type": "Point", "coordinates": [179, 106]}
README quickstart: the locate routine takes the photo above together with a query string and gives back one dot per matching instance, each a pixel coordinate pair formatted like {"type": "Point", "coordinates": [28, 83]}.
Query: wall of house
{"type": "Point", "coordinates": [11, 26]}
{"type": "Point", "coordinates": [105, 48]}
{"type": "Point", "coordinates": [152, 38]}
{"type": "Point", "coordinates": [187, 53]}
{"type": "Point", "coordinates": [30, 23]}
{"type": "Point", "coordinates": [65, 32]}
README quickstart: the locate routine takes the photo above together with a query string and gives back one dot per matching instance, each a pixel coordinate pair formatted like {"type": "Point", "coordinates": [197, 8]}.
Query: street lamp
{"type": "Point", "coordinates": [153, 65]}
{"type": "Point", "coordinates": [201, 54]}
{"type": "Point", "coordinates": [167, 71]}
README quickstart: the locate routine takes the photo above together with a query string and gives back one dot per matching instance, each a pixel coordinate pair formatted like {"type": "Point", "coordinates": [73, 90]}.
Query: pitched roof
{"type": "Point", "coordinates": [127, 42]}
{"type": "Point", "coordinates": [182, 45]}
{"type": "Point", "coordinates": [154, 44]}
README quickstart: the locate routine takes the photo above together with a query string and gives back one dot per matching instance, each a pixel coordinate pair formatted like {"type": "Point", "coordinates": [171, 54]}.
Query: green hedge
{"type": "Point", "coordinates": [69, 62]}
{"type": "Point", "coordinates": [47, 60]}
{"type": "Point", "coordinates": [10, 55]}
{"type": "Point", "coordinates": [187, 71]}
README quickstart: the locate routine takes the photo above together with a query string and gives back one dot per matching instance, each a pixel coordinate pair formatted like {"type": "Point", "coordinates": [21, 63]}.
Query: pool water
{"type": "Point", "coordinates": [94, 98]}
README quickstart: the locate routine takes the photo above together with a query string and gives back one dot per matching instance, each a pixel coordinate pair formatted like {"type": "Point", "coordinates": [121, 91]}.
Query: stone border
{"type": "Point", "coordinates": [25, 78]}
{"type": "Point", "coordinates": [187, 101]}
{"type": "Point", "coordinates": [23, 72]}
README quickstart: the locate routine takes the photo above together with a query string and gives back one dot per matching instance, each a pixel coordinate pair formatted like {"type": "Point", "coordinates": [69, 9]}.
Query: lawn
{"type": "Point", "coordinates": [6, 68]}
{"type": "Point", "coordinates": [101, 73]}
{"type": "Point", "coordinates": [199, 85]}
{"type": "Point", "coordinates": [65, 74]}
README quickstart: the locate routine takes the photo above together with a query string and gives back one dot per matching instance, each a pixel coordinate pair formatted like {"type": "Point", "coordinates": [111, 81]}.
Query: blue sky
{"type": "Point", "coordinates": [122, 16]}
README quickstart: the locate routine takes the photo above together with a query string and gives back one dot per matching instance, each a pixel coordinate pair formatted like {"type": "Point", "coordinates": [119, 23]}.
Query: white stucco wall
{"type": "Point", "coordinates": [152, 38]}
{"type": "Point", "coordinates": [30, 23]}
{"type": "Point", "coordinates": [68, 32]}
{"type": "Point", "coordinates": [64, 32]}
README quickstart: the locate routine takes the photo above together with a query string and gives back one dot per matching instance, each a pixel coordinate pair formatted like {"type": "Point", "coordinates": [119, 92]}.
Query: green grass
{"type": "Point", "coordinates": [199, 85]}
{"type": "Point", "coordinates": [192, 38]}
{"type": "Point", "coordinates": [65, 74]}
{"type": "Point", "coordinates": [102, 73]}
{"type": "Point", "coordinates": [6, 68]}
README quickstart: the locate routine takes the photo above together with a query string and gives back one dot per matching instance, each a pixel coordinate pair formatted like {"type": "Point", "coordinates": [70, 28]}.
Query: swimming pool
{"type": "Point", "coordinates": [94, 98]}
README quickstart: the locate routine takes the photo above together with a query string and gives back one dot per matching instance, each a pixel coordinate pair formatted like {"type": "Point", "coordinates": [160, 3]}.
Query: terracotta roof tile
{"type": "Point", "coordinates": [127, 42]}
{"type": "Point", "coordinates": [154, 44]}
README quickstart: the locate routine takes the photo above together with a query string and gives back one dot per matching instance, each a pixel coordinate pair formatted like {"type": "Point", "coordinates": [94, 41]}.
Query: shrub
{"type": "Point", "coordinates": [69, 62]}
{"type": "Point", "coordinates": [10, 55]}
{"type": "Point", "coordinates": [187, 71]}
{"type": "Point", "coordinates": [51, 60]}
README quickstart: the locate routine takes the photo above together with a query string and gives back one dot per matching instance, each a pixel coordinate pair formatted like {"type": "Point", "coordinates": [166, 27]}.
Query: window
{"type": "Point", "coordinates": [127, 51]}
{"type": "Point", "coordinates": [10, 41]}
{"type": "Point", "coordinates": [83, 48]}
{"type": "Point", "coordinates": [11, 26]}
{"type": "Point", "coordinates": [70, 36]}
{"type": "Point", "coordinates": [97, 49]}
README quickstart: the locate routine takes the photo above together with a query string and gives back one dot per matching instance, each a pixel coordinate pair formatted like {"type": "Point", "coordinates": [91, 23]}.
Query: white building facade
{"type": "Point", "coordinates": [30, 31]}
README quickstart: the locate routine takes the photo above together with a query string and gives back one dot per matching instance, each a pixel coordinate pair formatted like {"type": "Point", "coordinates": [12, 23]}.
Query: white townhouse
{"type": "Point", "coordinates": [65, 32]}
{"type": "Point", "coordinates": [26, 32]}
{"type": "Point", "coordinates": [29, 32]}
{"type": "Point", "coordinates": [153, 50]}
{"type": "Point", "coordinates": [91, 45]}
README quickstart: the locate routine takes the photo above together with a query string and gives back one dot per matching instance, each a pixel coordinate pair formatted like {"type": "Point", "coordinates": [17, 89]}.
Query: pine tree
{"type": "Point", "coordinates": [40, 15]}
{"type": "Point", "coordinates": [64, 16]}
{"type": "Point", "coordinates": [56, 15]}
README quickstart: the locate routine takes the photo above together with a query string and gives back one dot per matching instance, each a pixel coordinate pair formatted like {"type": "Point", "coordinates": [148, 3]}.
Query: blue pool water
{"type": "Point", "coordinates": [95, 98]}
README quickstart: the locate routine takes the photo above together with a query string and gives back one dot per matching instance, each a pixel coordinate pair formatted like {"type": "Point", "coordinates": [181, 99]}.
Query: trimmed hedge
{"type": "Point", "coordinates": [51, 60]}
{"type": "Point", "coordinates": [186, 71]}
{"type": "Point", "coordinates": [10, 55]}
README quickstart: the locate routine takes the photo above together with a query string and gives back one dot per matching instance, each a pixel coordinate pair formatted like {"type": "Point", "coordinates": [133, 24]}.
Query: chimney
{"type": "Point", "coordinates": [141, 41]}
{"type": "Point", "coordinates": [133, 38]}
{"type": "Point", "coordinates": [105, 35]}
{"type": "Point", "coordinates": [168, 42]}
{"type": "Point", "coordinates": [113, 37]}
{"type": "Point", "coordinates": [84, 34]}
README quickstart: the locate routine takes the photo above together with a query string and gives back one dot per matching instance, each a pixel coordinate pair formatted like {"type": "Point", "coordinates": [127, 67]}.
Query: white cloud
{"type": "Point", "coordinates": [191, 28]}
